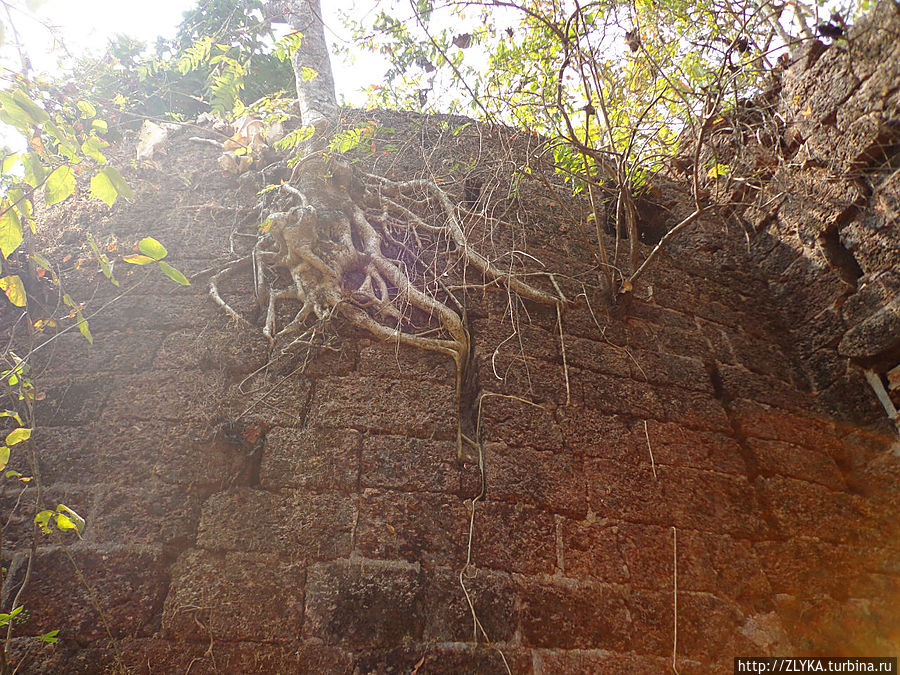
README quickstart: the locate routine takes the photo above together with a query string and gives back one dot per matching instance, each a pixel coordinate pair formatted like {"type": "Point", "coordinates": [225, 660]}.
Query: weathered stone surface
{"type": "Point", "coordinates": [674, 445]}
{"type": "Point", "coordinates": [876, 336]}
{"type": "Point", "coordinates": [307, 526]}
{"type": "Point", "coordinates": [514, 538]}
{"type": "Point", "coordinates": [371, 404]}
{"type": "Point", "coordinates": [426, 528]}
{"type": "Point", "coordinates": [320, 459]}
{"type": "Point", "coordinates": [253, 508]}
{"type": "Point", "coordinates": [449, 617]}
{"type": "Point", "coordinates": [553, 482]}
{"type": "Point", "coordinates": [590, 661]}
{"type": "Point", "coordinates": [680, 497]}
{"type": "Point", "coordinates": [364, 603]}
{"type": "Point", "coordinates": [574, 616]}
{"type": "Point", "coordinates": [401, 463]}
{"type": "Point", "coordinates": [518, 424]}
{"type": "Point", "coordinates": [591, 551]}
{"type": "Point", "coordinates": [133, 586]}
{"type": "Point", "coordinates": [794, 461]}
{"type": "Point", "coordinates": [208, 598]}
{"type": "Point", "coordinates": [444, 659]}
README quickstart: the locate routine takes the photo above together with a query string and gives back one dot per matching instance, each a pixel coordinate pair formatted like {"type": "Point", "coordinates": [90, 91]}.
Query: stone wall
{"type": "Point", "coordinates": [252, 510]}
{"type": "Point", "coordinates": [826, 226]}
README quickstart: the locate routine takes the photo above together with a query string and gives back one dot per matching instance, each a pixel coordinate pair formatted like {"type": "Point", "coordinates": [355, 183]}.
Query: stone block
{"type": "Point", "coordinates": [364, 603]}
{"type": "Point", "coordinates": [795, 461]}
{"type": "Point", "coordinates": [740, 383]}
{"type": "Point", "coordinates": [553, 482]}
{"type": "Point", "coordinates": [122, 351]}
{"type": "Point", "coordinates": [675, 445]}
{"type": "Point", "coordinates": [694, 409]}
{"type": "Point", "coordinates": [804, 509]}
{"type": "Point", "coordinates": [209, 598]}
{"type": "Point", "coordinates": [130, 588]}
{"type": "Point", "coordinates": [808, 428]}
{"type": "Point", "coordinates": [419, 408]}
{"type": "Point", "coordinates": [515, 423]}
{"type": "Point", "coordinates": [682, 497]}
{"type": "Point", "coordinates": [574, 616]}
{"type": "Point", "coordinates": [448, 617]}
{"type": "Point", "coordinates": [307, 526]}
{"type": "Point", "coordinates": [593, 433]}
{"type": "Point", "coordinates": [400, 362]}
{"type": "Point", "coordinates": [418, 527]}
{"type": "Point", "coordinates": [320, 459]}
{"type": "Point", "coordinates": [514, 538]}
{"type": "Point", "coordinates": [444, 659]}
{"type": "Point", "coordinates": [401, 463]}
{"type": "Point", "coordinates": [591, 551]}
{"type": "Point", "coordinates": [75, 401]}
{"type": "Point", "coordinates": [145, 514]}
{"type": "Point", "coordinates": [592, 661]}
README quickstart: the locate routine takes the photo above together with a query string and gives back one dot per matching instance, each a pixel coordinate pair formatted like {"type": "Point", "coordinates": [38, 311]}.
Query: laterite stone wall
{"type": "Point", "coordinates": [259, 511]}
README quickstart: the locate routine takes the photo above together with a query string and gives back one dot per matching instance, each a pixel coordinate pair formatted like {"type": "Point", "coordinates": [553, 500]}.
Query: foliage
{"type": "Point", "coordinates": [62, 142]}
{"type": "Point", "coordinates": [616, 88]}
{"type": "Point", "coordinates": [225, 53]}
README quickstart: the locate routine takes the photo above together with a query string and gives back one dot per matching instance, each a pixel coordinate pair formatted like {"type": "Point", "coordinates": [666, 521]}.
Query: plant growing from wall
{"type": "Point", "coordinates": [62, 139]}
{"type": "Point", "coordinates": [617, 89]}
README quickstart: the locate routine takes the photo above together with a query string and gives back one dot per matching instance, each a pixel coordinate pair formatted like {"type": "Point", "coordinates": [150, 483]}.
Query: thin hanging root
{"type": "Point", "coordinates": [214, 287]}
{"type": "Point", "coordinates": [454, 229]}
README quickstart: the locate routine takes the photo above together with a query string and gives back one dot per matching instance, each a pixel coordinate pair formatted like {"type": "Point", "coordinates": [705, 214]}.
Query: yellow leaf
{"type": "Point", "coordinates": [14, 290]}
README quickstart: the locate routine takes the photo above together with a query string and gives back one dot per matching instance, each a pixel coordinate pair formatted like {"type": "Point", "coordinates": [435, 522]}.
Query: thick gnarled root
{"type": "Point", "coordinates": [375, 252]}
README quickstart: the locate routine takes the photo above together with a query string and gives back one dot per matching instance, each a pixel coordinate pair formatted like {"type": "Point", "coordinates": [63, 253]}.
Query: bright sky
{"type": "Point", "coordinates": [88, 24]}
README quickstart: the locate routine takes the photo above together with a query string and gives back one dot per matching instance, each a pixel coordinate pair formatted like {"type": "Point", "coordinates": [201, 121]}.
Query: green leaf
{"type": "Point", "coordinates": [287, 45]}
{"type": "Point", "coordinates": [295, 138]}
{"type": "Point", "coordinates": [136, 259]}
{"type": "Point", "coordinates": [60, 185]}
{"type": "Point", "coordinates": [34, 169]}
{"type": "Point", "coordinates": [103, 189]}
{"type": "Point", "coordinates": [107, 185]}
{"type": "Point", "coordinates": [152, 248]}
{"type": "Point", "coordinates": [14, 290]}
{"type": "Point", "coordinates": [37, 114]}
{"type": "Point", "coordinates": [12, 474]}
{"type": "Point", "coordinates": [67, 519]}
{"type": "Point", "coordinates": [18, 435]}
{"type": "Point", "coordinates": [173, 274]}
{"type": "Point", "coordinates": [4, 457]}
{"type": "Point", "coordinates": [83, 326]}
{"type": "Point", "coordinates": [718, 170]}
{"type": "Point", "coordinates": [63, 522]}
{"type": "Point", "coordinates": [87, 109]}
{"type": "Point", "coordinates": [99, 125]}
{"type": "Point", "coordinates": [346, 140]}
{"type": "Point", "coordinates": [50, 637]}
{"type": "Point", "coordinates": [9, 163]}
{"type": "Point", "coordinates": [42, 519]}
{"type": "Point", "coordinates": [41, 261]}
{"type": "Point", "coordinates": [307, 74]}
{"type": "Point", "coordinates": [91, 148]}
{"type": "Point", "coordinates": [10, 230]}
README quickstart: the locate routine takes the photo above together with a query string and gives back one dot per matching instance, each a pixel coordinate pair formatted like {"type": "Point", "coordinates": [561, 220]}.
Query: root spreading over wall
{"type": "Point", "coordinates": [392, 258]}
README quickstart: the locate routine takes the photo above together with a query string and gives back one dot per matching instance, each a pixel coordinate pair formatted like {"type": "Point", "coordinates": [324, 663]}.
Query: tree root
{"type": "Point", "coordinates": [376, 253]}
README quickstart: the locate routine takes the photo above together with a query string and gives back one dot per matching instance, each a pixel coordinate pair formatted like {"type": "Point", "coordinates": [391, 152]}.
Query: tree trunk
{"type": "Point", "coordinates": [315, 96]}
